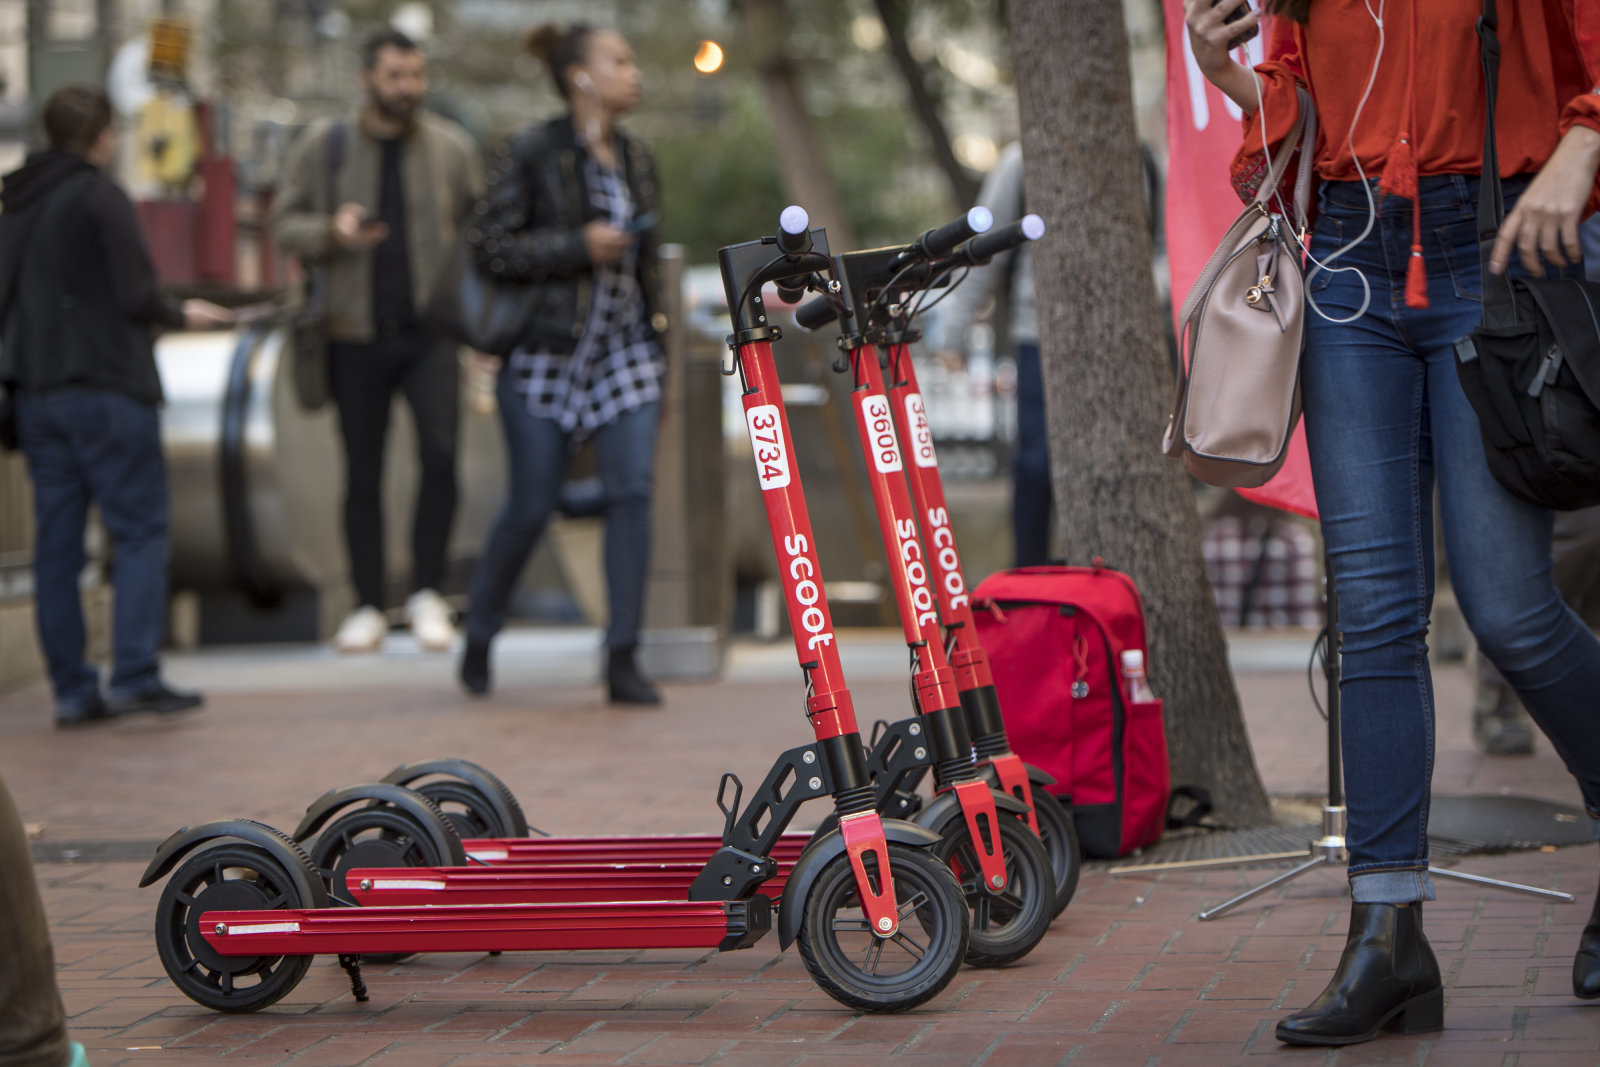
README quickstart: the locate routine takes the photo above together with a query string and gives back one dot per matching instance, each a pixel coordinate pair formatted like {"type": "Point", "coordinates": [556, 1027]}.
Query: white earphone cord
{"type": "Point", "coordinates": [1306, 154]}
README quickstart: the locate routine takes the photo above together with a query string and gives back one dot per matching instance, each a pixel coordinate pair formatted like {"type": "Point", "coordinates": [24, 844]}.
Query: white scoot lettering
{"type": "Point", "coordinates": [805, 591]}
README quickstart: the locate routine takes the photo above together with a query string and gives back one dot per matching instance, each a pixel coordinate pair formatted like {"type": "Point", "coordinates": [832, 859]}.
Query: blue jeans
{"type": "Point", "coordinates": [86, 445]}
{"type": "Point", "coordinates": [1031, 492]}
{"type": "Point", "coordinates": [537, 453]}
{"type": "Point", "coordinates": [1386, 420]}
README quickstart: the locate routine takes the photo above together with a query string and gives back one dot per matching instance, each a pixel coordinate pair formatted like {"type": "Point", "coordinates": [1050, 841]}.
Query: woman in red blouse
{"type": "Point", "coordinates": [1394, 283]}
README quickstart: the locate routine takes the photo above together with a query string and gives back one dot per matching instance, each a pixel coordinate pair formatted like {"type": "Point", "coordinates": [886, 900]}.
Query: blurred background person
{"type": "Point", "coordinates": [81, 302]}
{"type": "Point", "coordinates": [402, 180]}
{"type": "Point", "coordinates": [572, 208]}
{"type": "Point", "coordinates": [1007, 281]}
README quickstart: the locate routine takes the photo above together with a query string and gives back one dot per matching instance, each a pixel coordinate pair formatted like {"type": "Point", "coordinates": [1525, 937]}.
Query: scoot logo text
{"type": "Point", "coordinates": [802, 573]}
{"type": "Point", "coordinates": [766, 442]}
{"type": "Point", "coordinates": [916, 572]}
{"type": "Point", "coordinates": [880, 433]}
{"type": "Point", "coordinates": [944, 545]}
{"type": "Point", "coordinates": [921, 434]}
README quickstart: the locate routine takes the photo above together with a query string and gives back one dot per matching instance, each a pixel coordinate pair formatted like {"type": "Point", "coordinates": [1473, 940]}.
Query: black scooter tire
{"type": "Point", "coordinates": [846, 959]}
{"type": "Point", "coordinates": [1005, 925]}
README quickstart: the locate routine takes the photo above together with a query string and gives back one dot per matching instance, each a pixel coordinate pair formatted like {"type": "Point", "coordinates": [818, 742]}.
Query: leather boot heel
{"type": "Point", "coordinates": [1387, 979]}
{"type": "Point", "coordinates": [1422, 1016]}
{"type": "Point", "coordinates": [1586, 964]}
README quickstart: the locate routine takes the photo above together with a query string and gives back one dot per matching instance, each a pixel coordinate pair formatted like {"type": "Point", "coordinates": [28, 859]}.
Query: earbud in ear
{"type": "Point", "coordinates": [582, 80]}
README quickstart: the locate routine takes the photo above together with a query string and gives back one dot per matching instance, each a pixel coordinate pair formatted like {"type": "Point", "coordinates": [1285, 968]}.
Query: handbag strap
{"type": "Point", "coordinates": [1498, 302]}
{"type": "Point", "coordinates": [1303, 133]}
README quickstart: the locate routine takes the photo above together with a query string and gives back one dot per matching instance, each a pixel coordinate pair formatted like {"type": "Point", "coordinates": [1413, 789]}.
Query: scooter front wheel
{"type": "Point", "coordinates": [868, 973]}
{"type": "Point", "coordinates": [226, 877]}
{"type": "Point", "coordinates": [1008, 923]}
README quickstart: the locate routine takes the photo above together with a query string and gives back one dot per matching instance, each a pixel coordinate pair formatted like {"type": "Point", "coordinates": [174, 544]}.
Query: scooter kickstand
{"type": "Point", "coordinates": [352, 967]}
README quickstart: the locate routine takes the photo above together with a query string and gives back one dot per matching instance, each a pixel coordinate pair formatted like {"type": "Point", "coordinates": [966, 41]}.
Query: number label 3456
{"type": "Point", "coordinates": [767, 443]}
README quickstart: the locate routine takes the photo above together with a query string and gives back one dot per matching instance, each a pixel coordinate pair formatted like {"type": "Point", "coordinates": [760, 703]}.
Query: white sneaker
{"type": "Point", "coordinates": [429, 617]}
{"type": "Point", "coordinates": [363, 630]}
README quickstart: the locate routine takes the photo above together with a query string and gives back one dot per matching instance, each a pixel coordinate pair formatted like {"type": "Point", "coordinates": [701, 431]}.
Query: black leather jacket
{"type": "Point", "coordinates": [529, 227]}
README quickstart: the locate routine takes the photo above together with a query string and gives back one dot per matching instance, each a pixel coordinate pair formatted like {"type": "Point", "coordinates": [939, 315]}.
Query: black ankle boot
{"type": "Point", "coordinates": [474, 671]}
{"type": "Point", "coordinates": [623, 680]}
{"type": "Point", "coordinates": [1387, 980]}
{"type": "Point", "coordinates": [1586, 964]}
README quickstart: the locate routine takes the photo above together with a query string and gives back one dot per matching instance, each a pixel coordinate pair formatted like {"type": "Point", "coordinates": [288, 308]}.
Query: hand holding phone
{"type": "Point", "coordinates": [641, 223]}
{"type": "Point", "coordinates": [1239, 11]}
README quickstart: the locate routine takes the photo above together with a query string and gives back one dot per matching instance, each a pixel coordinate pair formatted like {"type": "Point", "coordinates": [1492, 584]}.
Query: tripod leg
{"type": "Point", "coordinates": [1495, 883]}
{"type": "Point", "coordinates": [1227, 905]}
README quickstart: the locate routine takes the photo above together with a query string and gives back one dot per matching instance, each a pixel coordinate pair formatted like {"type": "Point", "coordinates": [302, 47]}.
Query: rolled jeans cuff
{"type": "Point", "coordinates": [1391, 887]}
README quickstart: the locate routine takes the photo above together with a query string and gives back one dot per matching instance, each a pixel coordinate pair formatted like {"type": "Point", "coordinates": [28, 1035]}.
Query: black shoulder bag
{"type": "Point", "coordinates": [1532, 369]}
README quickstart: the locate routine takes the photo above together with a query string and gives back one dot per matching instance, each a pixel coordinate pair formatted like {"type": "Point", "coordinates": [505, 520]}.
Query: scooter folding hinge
{"type": "Point", "coordinates": [863, 838]}
{"type": "Point", "coordinates": [1012, 774]}
{"type": "Point", "coordinates": [977, 804]}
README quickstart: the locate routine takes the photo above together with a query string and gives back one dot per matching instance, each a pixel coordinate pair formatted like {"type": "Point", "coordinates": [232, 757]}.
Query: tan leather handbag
{"type": "Point", "coordinates": [1243, 329]}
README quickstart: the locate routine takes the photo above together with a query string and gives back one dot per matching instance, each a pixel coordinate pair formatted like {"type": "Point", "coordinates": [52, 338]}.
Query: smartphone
{"type": "Point", "coordinates": [641, 223]}
{"type": "Point", "coordinates": [1235, 15]}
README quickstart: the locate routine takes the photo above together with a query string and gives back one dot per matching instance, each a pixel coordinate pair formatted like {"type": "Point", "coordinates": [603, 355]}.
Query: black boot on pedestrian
{"type": "Point", "coordinates": [474, 671]}
{"type": "Point", "coordinates": [1586, 964]}
{"type": "Point", "coordinates": [623, 680]}
{"type": "Point", "coordinates": [1387, 979]}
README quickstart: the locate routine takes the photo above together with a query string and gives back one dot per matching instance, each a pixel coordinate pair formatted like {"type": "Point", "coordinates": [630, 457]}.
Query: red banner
{"type": "Point", "coordinates": [1202, 135]}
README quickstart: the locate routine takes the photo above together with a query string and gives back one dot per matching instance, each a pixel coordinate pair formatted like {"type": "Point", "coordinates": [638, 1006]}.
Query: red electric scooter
{"type": "Point", "coordinates": [881, 922]}
{"type": "Point", "coordinates": [880, 295]}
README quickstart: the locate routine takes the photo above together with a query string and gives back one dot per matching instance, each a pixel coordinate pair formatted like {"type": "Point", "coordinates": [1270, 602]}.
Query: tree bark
{"type": "Point", "coordinates": [804, 166]}
{"type": "Point", "coordinates": [963, 186]}
{"type": "Point", "coordinates": [1107, 380]}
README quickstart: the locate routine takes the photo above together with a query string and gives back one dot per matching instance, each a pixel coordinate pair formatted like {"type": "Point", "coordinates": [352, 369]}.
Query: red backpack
{"type": "Point", "coordinates": [1055, 637]}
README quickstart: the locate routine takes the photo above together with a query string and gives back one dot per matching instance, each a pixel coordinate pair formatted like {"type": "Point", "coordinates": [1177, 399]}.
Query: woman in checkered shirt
{"type": "Point", "coordinates": [571, 209]}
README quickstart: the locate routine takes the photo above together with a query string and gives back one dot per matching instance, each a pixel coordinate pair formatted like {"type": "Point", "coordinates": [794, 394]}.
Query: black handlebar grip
{"type": "Point", "coordinates": [986, 246]}
{"type": "Point", "coordinates": [941, 241]}
{"type": "Point", "coordinates": [794, 230]}
{"type": "Point", "coordinates": [815, 315]}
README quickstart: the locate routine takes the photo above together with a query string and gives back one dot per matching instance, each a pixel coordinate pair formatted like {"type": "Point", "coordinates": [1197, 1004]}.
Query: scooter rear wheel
{"type": "Point", "coordinates": [868, 973]}
{"type": "Point", "coordinates": [465, 807]}
{"type": "Point", "coordinates": [371, 837]}
{"type": "Point", "coordinates": [1006, 925]}
{"type": "Point", "coordinates": [226, 877]}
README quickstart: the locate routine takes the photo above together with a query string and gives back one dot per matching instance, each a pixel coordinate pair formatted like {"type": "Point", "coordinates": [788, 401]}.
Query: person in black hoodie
{"type": "Point", "coordinates": [79, 301]}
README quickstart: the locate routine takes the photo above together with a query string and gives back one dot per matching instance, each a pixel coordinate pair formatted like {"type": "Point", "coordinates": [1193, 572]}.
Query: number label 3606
{"type": "Point", "coordinates": [767, 443]}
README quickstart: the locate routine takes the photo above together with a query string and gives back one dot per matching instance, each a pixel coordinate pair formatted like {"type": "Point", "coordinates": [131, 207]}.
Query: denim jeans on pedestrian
{"type": "Point", "coordinates": [1386, 421]}
{"type": "Point", "coordinates": [95, 445]}
{"type": "Point", "coordinates": [538, 452]}
{"type": "Point", "coordinates": [1031, 491]}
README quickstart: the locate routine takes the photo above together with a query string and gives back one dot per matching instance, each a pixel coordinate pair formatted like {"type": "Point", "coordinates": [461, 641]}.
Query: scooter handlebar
{"type": "Point", "coordinates": [986, 246]}
{"type": "Point", "coordinates": [815, 314]}
{"type": "Point", "coordinates": [940, 241]}
{"type": "Point", "coordinates": [794, 230]}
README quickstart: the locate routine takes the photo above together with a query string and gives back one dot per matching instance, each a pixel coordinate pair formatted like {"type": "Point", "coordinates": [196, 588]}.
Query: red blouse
{"type": "Point", "coordinates": [1549, 82]}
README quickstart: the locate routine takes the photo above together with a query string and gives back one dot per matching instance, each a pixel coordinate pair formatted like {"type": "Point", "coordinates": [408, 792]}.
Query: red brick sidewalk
{"type": "Point", "coordinates": [1126, 975]}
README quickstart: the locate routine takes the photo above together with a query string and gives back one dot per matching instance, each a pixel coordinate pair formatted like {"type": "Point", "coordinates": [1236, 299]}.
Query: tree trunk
{"type": "Point", "coordinates": [1107, 381]}
{"type": "Point", "coordinates": [804, 167]}
{"type": "Point", "coordinates": [963, 186]}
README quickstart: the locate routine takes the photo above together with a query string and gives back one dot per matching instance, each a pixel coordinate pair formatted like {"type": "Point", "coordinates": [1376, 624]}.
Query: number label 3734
{"type": "Point", "coordinates": [770, 449]}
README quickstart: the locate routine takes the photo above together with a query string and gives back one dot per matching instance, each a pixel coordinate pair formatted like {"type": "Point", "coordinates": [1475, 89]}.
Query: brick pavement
{"type": "Point", "coordinates": [1126, 975]}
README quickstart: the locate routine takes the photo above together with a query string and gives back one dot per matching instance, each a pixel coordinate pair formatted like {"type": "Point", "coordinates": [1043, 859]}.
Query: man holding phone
{"type": "Point", "coordinates": [374, 201]}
